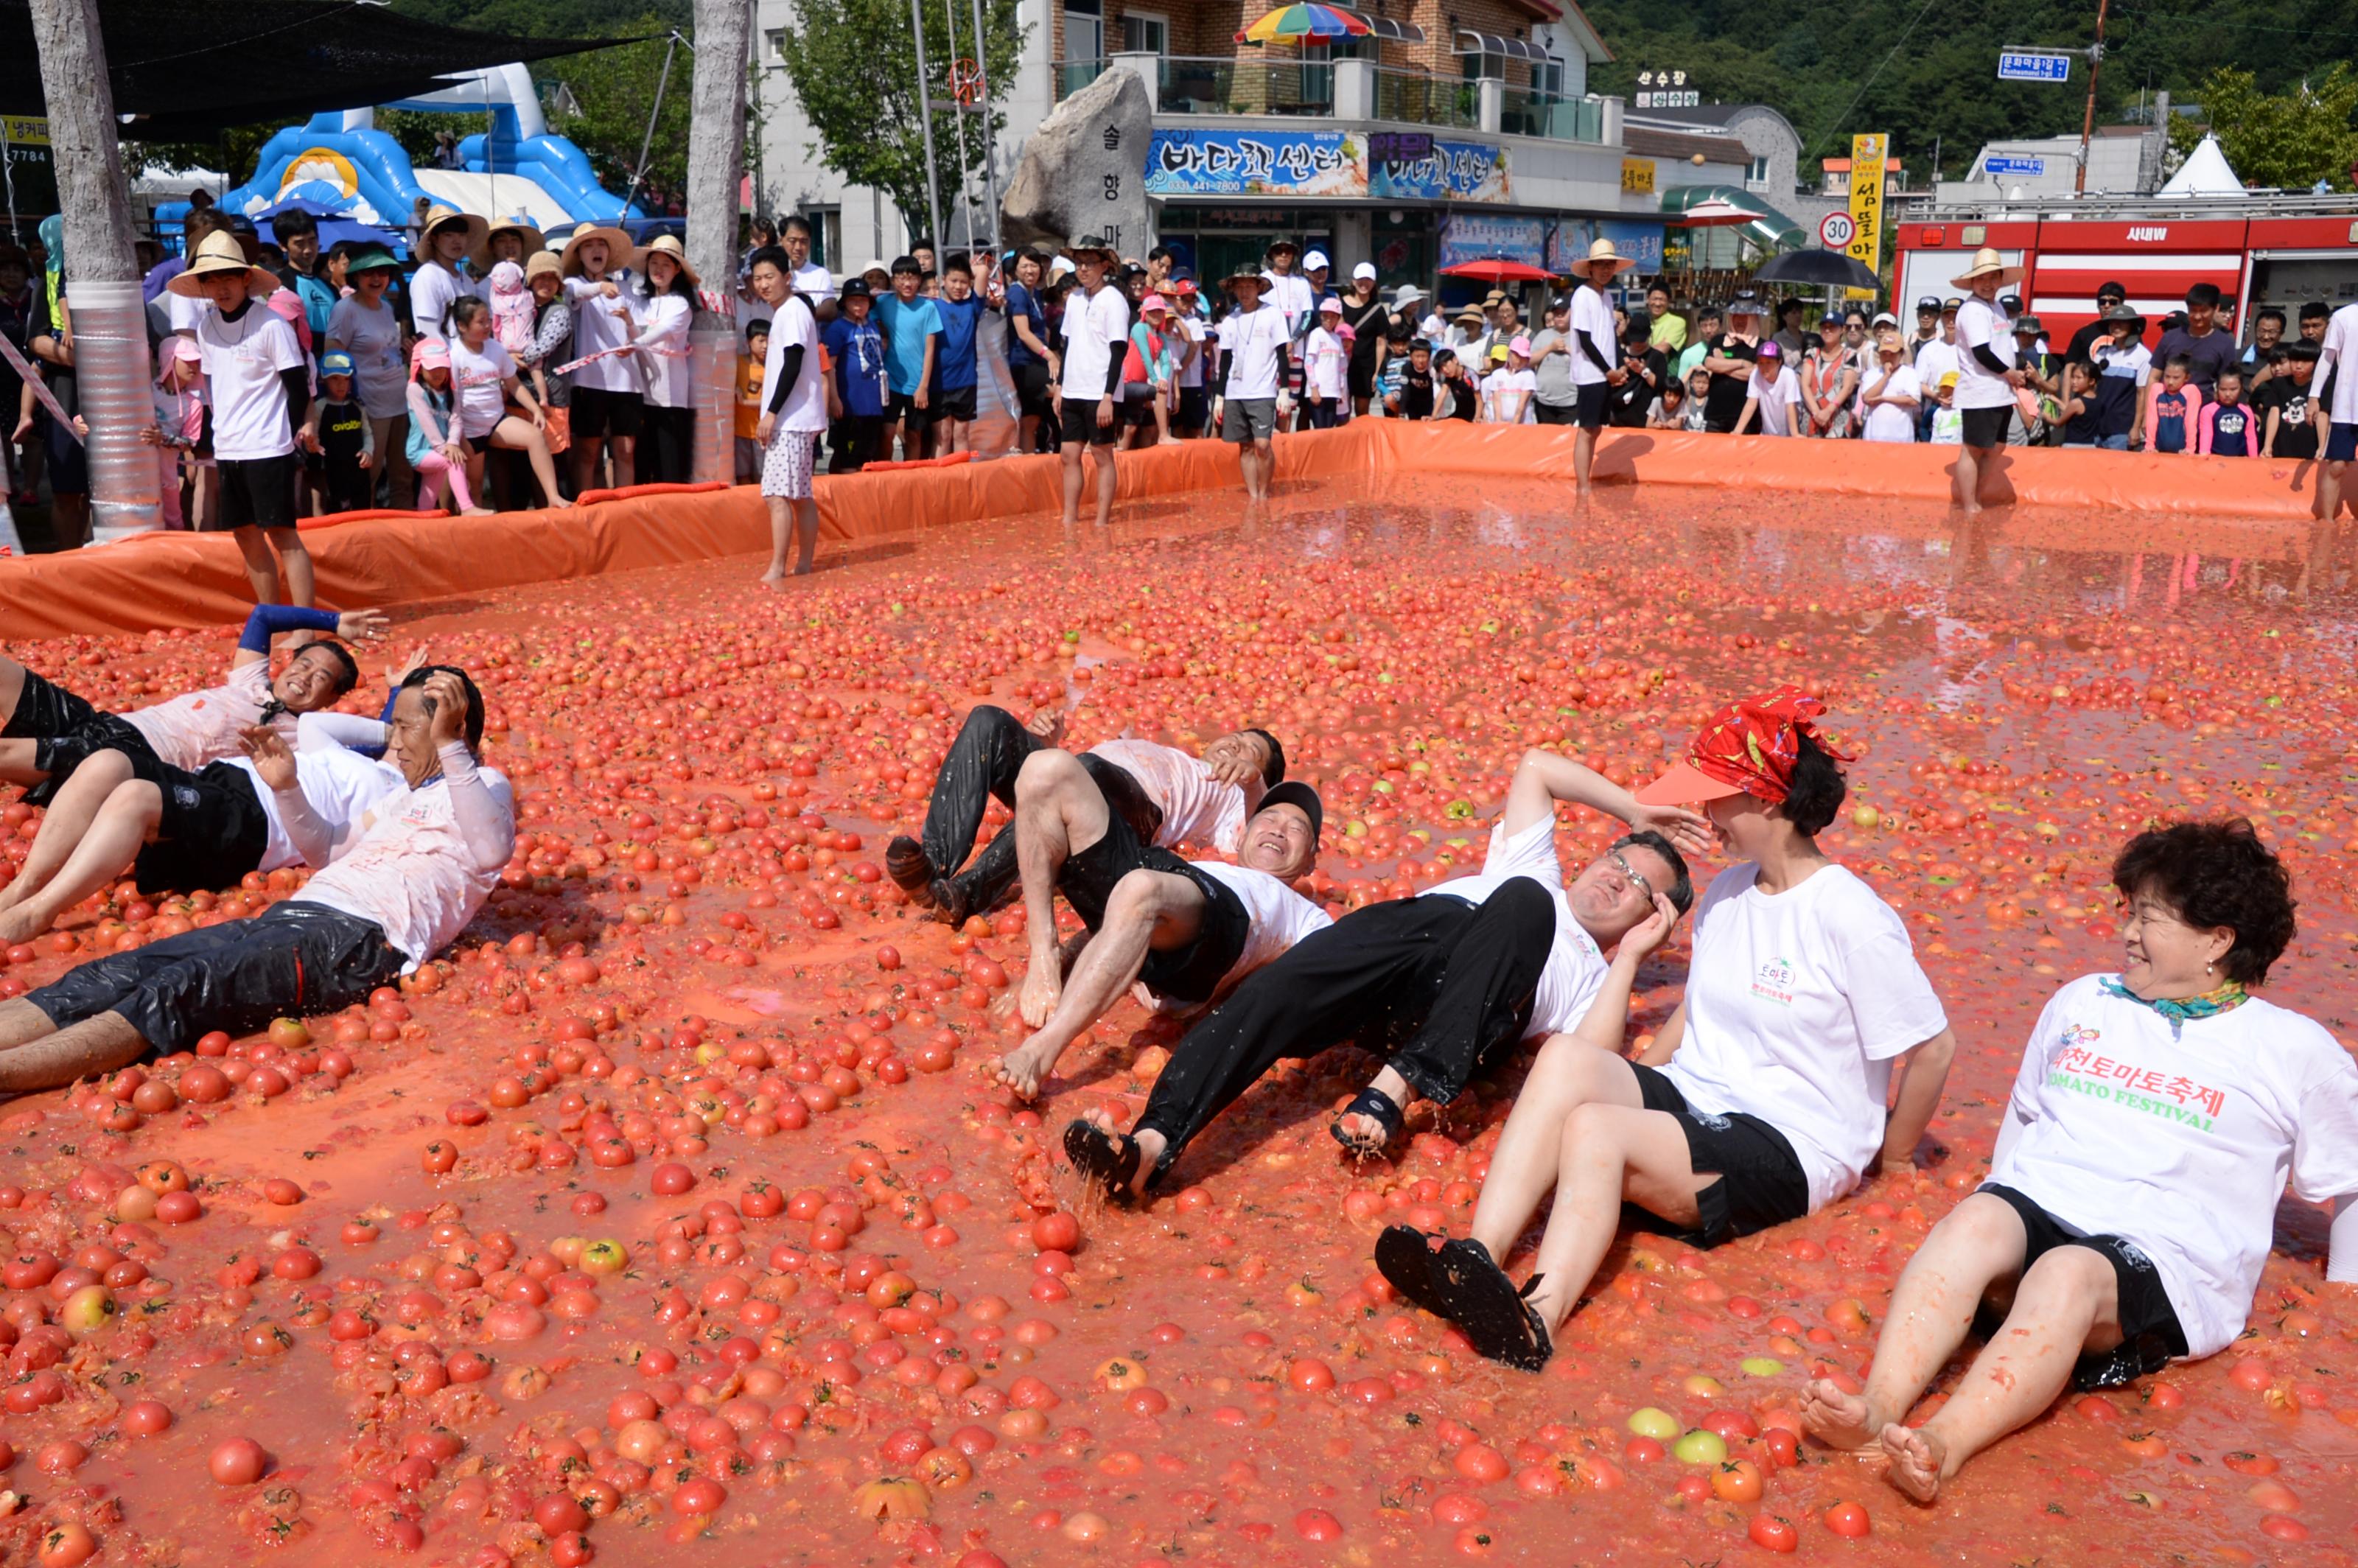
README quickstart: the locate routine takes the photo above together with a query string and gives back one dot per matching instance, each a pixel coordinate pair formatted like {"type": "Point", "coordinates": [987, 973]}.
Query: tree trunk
{"type": "Point", "coordinates": [109, 323]}
{"type": "Point", "coordinates": [716, 165]}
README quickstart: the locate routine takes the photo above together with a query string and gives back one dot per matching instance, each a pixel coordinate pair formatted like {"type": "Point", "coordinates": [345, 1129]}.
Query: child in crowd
{"type": "Point", "coordinates": [2229, 426]}
{"type": "Point", "coordinates": [486, 382]}
{"type": "Point", "coordinates": [1696, 415]}
{"type": "Point", "coordinates": [665, 305]}
{"type": "Point", "coordinates": [956, 366]}
{"type": "Point", "coordinates": [1327, 359]}
{"type": "Point", "coordinates": [1415, 394]}
{"type": "Point", "coordinates": [1773, 395]}
{"type": "Point", "coordinates": [748, 400]}
{"type": "Point", "coordinates": [2080, 415]}
{"type": "Point", "coordinates": [1947, 419]}
{"type": "Point", "coordinates": [180, 420]}
{"type": "Point", "coordinates": [511, 303]}
{"type": "Point", "coordinates": [2292, 401]}
{"type": "Point", "coordinates": [1509, 390]}
{"type": "Point", "coordinates": [856, 344]}
{"type": "Point", "coordinates": [2173, 407]}
{"type": "Point", "coordinates": [608, 398]}
{"type": "Point", "coordinates": [347, 436]}
{"type": "Point", "coordinates": [1153, 356]}
{"type": "Point", "coordinates": [1670, 410]}
{"type": "Point", "coordinates": [436, 451]}
{"type": "Point", "coordinates": [1464, 399]}
{"type": "Point", "coordinates": [912, 325]}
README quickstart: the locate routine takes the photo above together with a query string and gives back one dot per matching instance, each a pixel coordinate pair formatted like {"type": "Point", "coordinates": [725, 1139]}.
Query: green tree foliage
{"type": "Point", "coordinates": [1811, 58]}
{"type": "Point", "coordinates": [614, 92]}
{"type": "Point", "coordinates": [853, 66]}
{"type": "Point", "coordinates": [2290, 139]}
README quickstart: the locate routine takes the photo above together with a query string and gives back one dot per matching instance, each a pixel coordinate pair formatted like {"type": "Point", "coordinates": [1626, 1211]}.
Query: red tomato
{"type": "Point", "coordinates": [239, 1462]}
{"type": "Point", "coordinates": [1774, 1532]}
{"type": "Point", "coordinates": [1848, 1520]}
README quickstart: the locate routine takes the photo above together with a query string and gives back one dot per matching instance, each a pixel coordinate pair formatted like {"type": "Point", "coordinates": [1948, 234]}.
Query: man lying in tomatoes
{"type": "Point", "coordinates": [398, 884]}
{"type": "Point", "coordinates": [1446, 981]}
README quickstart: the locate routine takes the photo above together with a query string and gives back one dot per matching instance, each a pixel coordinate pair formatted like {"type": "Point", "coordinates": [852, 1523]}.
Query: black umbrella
{"type": "Point", "coordinates": [1831, 269]}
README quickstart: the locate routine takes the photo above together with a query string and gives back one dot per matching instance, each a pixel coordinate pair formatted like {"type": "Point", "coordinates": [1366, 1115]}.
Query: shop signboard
{"type": "Point", "coordinates": [1473, 236]}
{"type": "Point", "coordinates": [1385, 167]}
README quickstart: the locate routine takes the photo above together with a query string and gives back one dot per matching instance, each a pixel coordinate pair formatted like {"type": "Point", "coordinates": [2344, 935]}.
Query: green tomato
{"type": "Point", "coordinates": [1762, 1366]}
{"type": "Point", "coordinates": [1659, 1424]}
{"type": "Point", "coordinates": [1701, 1447]}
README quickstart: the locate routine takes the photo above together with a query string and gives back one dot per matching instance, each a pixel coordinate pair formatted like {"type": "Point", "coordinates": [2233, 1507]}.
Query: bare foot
{"type": "Point", "coordinates": [1916, 1461]}
{"type": "Point", "coordinates": [1042, 984]}
{"type": "Point", "coordinates": [1836, 1418]}
{"type": "Point", "coordinates": [478, 512]}
{"type": "Point", "coordinates": [1022, 1070]}
{"type": "Point", "coordinates": [18, 924]}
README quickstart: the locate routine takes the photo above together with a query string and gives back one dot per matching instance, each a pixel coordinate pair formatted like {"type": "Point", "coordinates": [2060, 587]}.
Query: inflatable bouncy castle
{"type": "Point", "coordinates": [342, 161]}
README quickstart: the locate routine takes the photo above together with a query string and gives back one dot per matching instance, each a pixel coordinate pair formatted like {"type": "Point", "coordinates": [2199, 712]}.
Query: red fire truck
{"type": "Point", "coordinates": [2284, 251]}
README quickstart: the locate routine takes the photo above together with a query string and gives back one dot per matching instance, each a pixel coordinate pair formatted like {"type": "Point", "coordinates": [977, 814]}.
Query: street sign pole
{"type": "Point", "coordinates": [2088, 121]}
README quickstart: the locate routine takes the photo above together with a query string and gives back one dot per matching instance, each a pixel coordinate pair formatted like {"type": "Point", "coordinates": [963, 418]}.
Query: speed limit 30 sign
{"type": "Point", "coordinates": [1834, 231]}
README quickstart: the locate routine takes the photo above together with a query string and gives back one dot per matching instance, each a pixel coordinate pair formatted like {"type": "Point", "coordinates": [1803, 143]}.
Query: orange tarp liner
{"type": "Point", "coordinates": [169, 579]}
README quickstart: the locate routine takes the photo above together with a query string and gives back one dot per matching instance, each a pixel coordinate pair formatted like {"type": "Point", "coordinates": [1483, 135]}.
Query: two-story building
{"type": "Point", "coordinates": [1456, 129]}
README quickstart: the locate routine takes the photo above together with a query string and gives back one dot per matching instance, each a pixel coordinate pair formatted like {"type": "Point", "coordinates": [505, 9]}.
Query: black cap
{"type": "Point", "coordinates": [1930, 302]}
{"type": "Point", "coordinates": [1294, 793]}
{"type": "Point", "coordinates": [855, 288]}
{"type": "Point", "coordinates": [2010, 303]}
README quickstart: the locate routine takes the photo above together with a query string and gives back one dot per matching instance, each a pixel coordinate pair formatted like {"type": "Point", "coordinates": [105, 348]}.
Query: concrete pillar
{"type": "Point", "coordinates": [1147, 68]}
{"type": "Point", "coordinates": [1490, 104]}
{"type": "Point", "coordinates": [1355, 90]}
{"type": "Point", "coordinates": [1609, 120]}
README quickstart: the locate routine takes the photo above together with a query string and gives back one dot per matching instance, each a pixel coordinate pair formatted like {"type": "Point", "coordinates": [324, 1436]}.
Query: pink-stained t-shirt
{"type": "Point", "coordinates": [202, 727]}
{"type": "Point", "coordinates": [1196, 807]}
{"type": "Point", "coordinates": [413, 871]}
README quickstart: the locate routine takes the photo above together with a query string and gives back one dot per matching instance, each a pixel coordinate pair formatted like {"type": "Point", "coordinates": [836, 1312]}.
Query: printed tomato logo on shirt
{"type": "Point", "coordinates": [1774, 981]}
{"type": "Point", "coordinates": [2080, 1034]}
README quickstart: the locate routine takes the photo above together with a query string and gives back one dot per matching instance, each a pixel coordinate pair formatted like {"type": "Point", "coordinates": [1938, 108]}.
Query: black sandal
{"type": "Point", "coordinates": [1109, 1160]}
{"type": "Point", "coordinates": [912, 870]}
{"type": "Point", "coordinates": [1404, 1257]}
{"type": "Point", "coordinates": [1370, 1101]}
{"type": "Point", "coordinates": [949, 900]}
{"type": "Point", "coordinates": [1476, 1295]}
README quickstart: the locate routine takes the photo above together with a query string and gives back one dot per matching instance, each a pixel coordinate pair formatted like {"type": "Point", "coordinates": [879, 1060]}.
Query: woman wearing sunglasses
{"type": "Point", "coordinates": [1766, 1096]}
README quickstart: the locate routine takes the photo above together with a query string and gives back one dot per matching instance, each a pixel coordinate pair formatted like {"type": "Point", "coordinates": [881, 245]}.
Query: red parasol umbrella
{"type": "Point", "coordinates": [1494, 270]}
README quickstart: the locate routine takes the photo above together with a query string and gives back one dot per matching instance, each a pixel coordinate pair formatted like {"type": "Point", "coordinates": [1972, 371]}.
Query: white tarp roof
{"type": "Point", "coordinates": [2204, 173]}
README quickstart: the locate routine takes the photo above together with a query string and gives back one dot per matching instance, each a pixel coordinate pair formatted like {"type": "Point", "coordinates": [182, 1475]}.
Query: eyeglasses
{"type": "Point", "coordinates": [1637, 880]}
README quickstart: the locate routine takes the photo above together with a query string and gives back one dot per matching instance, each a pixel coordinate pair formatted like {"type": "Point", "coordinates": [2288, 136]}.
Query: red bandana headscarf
{"type": "Point", "coordinates": [1753, 743]}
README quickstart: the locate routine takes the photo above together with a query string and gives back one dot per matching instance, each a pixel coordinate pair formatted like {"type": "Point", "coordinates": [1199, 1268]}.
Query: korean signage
{"type": "Point", "coordinates": [1664, 90]}
{"type": "Point", "coordinates": [1997, 162]}
{"type": "Point", "coordinates": [25, 130]}
{"type": "Point", "coordinates": [1866, 156]}
{"type": "Point", "coordinates": [1569, 239]}
{"type": "Point", "coordinates": [1386, 166]}
{"type": "Point", "coordinates": [2033, 65]}
{"type": "Point", "coordinates": [1466, 237]}
{"type": "Point", "coordinates": [1638, 176]}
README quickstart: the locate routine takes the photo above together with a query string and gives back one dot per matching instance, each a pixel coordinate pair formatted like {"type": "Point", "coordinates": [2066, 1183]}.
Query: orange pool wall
{"type": "Point", "coordinates": [174, 579]}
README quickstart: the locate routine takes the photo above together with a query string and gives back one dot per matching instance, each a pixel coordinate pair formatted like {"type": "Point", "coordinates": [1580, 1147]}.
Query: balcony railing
{"type": "Point", "coordinates": [1072, 75]}
{"type": "Point", "coordinates": [1524, 113]}
{"type": "Point", "coordinates": [1421, 99]}
{"type": "Point", "coordinates": [1223, 84]}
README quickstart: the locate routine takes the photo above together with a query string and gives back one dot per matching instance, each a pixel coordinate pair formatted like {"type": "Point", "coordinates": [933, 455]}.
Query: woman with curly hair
{"type": "Point", "coordinates": [2158, 1117]}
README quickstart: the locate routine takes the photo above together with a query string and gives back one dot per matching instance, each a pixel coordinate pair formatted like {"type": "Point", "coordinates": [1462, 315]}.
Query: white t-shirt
{"type": "Point", "coordinates": [1575, 967]}
{"type": "Point", "coordinates": [1250, 340]}
{"type": "Point", "coordinates": [1778, 398]}
{"type": "Point", "coordinates": [411, 871]}
{"type": "Point", "coordinates": [373, 340]}
{"type": "Point", "coordinates": [201, 726]}
{"type": "Point", "coordinates": [2182, 1146]}
{"type": "Point", "coordinates": [338, 785]}
{"type": "Point", "coordinates": [187, 313]}
{"type": "Point", "coordinates": [664, 351]}
{"type": "Point", "coordinates": [1196, 807]}
{"type": "Point", "coordinates": [805, 410]}
{"type": "Point", "coordinates": [1933, 361]}
{"type": "Point", "coordinates": [2339, 349]}
{"type": "Point", "coordinates": [1324, 359]}
{"type": "Point", "coordinates": [1094, 325]}
{"type": "Point", "coordinates": [1884, 422]}
{"type": "Point", "coordinates": [596, 328]}
{"type": "Point", "coordinates": [1592, 317]}
{"type": "Point", "coordinates": [1280, 917]}
{"type": "Point", "coordinates": [1296, 304]}
{"type": "Point", "coordinates": [814, 283]}
{"type": "Point", "coordinates": [1515, 391]}
{"type": "Point", "coordinates": [243, 361]}
{"type": "Point", "coordinates": [1190, 373]}
{"type": "Point", "coordinates": [1795, 1004]}
{"type": "Point", "coordinates": [433, 289]}
{"type": "Point", "coordinates": [1982, 325]}
{"type": "Point", "coordinates": [478, 378]}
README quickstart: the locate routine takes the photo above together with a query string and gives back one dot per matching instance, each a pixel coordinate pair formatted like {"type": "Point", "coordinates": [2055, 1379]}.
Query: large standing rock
{"type": "Point", "coordinates": [1083, 171]}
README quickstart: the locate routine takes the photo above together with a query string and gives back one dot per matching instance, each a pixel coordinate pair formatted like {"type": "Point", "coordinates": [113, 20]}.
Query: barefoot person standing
{"type": "Point", "coordinates": [794, 414]}
{"type": "Point", "coordinates": [2159, 1116]}
{"type": "Point", "coordinates": [1097, 342]}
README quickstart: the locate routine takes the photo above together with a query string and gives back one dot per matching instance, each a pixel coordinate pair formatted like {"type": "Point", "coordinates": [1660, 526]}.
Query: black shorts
{"type": "Point", "coordinates": [954, 402]}
{"type": "Point", "coordinates": [1191, 974]}
{"type": "Point", "coordinates": [1590, 414]}
{"type": "Point", "coordinates": [1136, 411]}
{"type": "Point", "coordinates": [1194, 411]}
{"type": "Point", "coordinates": [1127, 844]}
{"type": "Point", "coordinates": [1361, 377]}
{"type": "Point", "coordinates": [902, 406]}
{"type": "Point", "coordinates": [66, 731]}
{"type": "Point", "coordinates": [1554, 413]}
{"type": "Point", "coordinates": [257, 493]}
{"type": "Point", "coordinates": [1987, 426]}
{"type": "Point", "coordinates": [2342, 444]}
{"type": "Point", "coordinates": [1761, 1180]}
{"type": "Point", "coordinates": [297, 959]}
{"type": "Point", "coordinates": [2151, 1336]}
{"type": "Point", "coordinates": [1081, 427]}
{"type": "Point", "coordinates": [599, 415]}
{"type": "Point", "coordinates": [1032, 389]}
{"type": "Point", "coordinates": [211, 833]}
{"type": "Point", "coordinates": [68, 458]}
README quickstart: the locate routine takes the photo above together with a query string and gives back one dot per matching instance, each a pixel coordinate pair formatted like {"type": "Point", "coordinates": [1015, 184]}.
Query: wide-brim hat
{"type": "Point", "coordinates": [1246, 274]}
{"type": "Point", "coordinates": [532, 238]}
{"type": "Point", "coordinates": [541, 262]}
{"type": "Point", "coordinates": [441, 217]}
{"type": "Point", "coordinates": [1081, 245]}
{"type": "Point", "coordinates": [1987, 263]}
{"type": "Point", "coordinates": [1406, 294]}
{"type": "Point", "coordinates": [1602, 250]}
{"type": "Point", "coordinates": [664, 246]}
{"type": "Point", "coordinates": [1277, 245]}
{"type": "Point", "coordinates": [371, 258]}
{"type": "Point", "coordinates": [618, 247]}
{"type": "Point", "coordinates": [217, 253]}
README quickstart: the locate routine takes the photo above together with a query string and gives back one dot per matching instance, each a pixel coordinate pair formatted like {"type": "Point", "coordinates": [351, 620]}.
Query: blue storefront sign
{"type": "Point", "coordinates": [1386, 166]}
{"type": "Point", "coordinates": [1407, 165]}
{"type": "Point", "coordinates": [1998, 164]}
{"type": "Point", "coordinates": [1466, 237]}
{"type": "Point", "coordinates": [1568, 242]}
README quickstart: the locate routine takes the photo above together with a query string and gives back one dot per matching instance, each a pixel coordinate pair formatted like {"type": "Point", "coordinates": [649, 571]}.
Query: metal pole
{"type": "Point", "coordinates": [990, 144]}
{"type": "Point", "coordinates": [648, 142]}
{"type": "Point", "coordinates": [926, 120]}
{"type": "Point", "coordinates": [2088, 121]}
{"type": "Point", "coordinates": [957, 123]}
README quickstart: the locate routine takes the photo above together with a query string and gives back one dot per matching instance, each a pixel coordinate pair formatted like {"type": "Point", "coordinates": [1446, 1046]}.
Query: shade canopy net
{"type": "Point", "coordinates": [184, 70]}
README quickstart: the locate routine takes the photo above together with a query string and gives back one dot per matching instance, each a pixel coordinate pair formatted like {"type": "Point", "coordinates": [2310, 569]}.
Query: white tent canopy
{"type": "Point", "coordinates": [2204, 173]}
